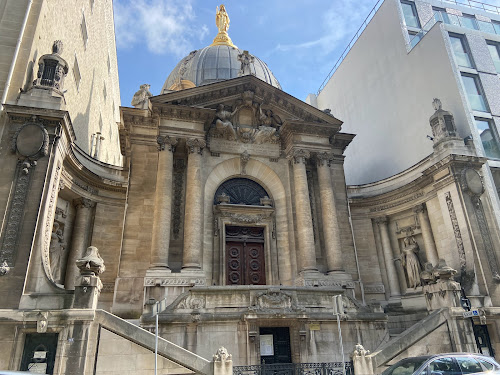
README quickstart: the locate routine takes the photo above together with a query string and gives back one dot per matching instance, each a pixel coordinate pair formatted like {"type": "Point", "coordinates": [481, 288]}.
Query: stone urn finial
{"type": "Point", "coordinates": [436, 103]}
{"type": "Point", "coordinates": [57, 47]}
{"type": "Point", "coordinates": [92, 263]}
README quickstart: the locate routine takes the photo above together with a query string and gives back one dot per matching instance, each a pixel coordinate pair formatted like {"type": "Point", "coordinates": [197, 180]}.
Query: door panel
{"type": "Point", "coordinates": [234, 256]}
{"type": "Point", "coordinates": [245, 263]}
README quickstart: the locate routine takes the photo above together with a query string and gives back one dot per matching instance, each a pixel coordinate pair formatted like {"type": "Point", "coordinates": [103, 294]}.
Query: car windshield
{"type": "Point", "coordinates": [406, 366]}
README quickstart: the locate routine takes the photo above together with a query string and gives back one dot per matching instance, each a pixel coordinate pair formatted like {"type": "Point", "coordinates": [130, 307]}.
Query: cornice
{"type": "Point", "coordinates": [217, 92]}
{"type": "Point", "coordinates": [20, 114]}
{"type": "Point", "coordinates": [413, 190]}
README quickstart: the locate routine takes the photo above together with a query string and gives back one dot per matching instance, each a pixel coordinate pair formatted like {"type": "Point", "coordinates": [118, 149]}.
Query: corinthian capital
{"type": "Point", "coordinates": [83, 203]}
{"type": "Point", "coordinates": [381, 220]}
{"type": "Point", "coordinates": [299, 156]}
{"type": "Point", "coordinates": [419, 208]}
{"type": "Point", "coordinates": [195, 145]}
{"type": "Point", "coordinates": [324, 158]}
{"type": "Point", "coordinates": [167, 142]}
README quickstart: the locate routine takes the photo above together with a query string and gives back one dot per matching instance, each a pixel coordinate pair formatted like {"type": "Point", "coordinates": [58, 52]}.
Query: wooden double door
{"type": "Point", "coordinates": [245, 260]}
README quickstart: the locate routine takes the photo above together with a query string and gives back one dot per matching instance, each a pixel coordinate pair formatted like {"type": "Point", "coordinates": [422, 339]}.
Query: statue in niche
{"type": "Point", "coordinates": [223, 124]}
{"type": "Point", "coordinates": [141, 97]}
{"type": "Point", "coordinates": [410, 261]}
{"type": "Point", "coordinates": [246, 59]}
{"type": "Point", "coordinates": [56, 250]}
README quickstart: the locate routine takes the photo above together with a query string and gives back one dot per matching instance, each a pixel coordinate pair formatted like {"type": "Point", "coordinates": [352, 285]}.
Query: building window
{"type": "Point", "coordinates": [85, 35]}
{"type": "Point", "coordinates": [461, 51]}
{"type": "Point", "coordinates": [474, 93]}
{"type": "Point", "coordinates": [495, 54]}
{"type": "Point", "coordinates": [410, 14]}
{"type": "Point", "coordinates": [469, 22]}
{"type": "Point", "coordinates": [441, 15]}
{"type": "Point", "coordinates": [489, 138]}
{"type": "Point", "coordinates": [496, 26]}
{"type": "Point", "coordinates": [76, 73]}
{"type": "Point", "coordinates": [486, 26]}
{"type": "Point", "coordinates": [91, 4]}
{"type": "Point", "coordinates": [109, 65]}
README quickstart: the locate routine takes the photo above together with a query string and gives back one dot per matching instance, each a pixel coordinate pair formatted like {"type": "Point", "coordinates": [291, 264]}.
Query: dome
{"type": "Point", "coordinates": [214, 64]}
{"type": "Point", "coordinates": [220, 61]}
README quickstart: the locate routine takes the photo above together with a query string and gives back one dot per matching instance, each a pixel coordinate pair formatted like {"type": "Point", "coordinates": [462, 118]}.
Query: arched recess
{"type": "Point", "coordinates": [264, 175]}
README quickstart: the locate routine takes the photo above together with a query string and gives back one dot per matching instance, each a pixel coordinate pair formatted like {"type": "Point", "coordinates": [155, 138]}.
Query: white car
{"type": "Point", "coordinates": [445, 364]}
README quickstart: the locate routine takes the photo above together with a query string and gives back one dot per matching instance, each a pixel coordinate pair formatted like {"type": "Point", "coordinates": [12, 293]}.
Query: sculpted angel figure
{"type": "Point", "coordinates": [222, 19]}
{"type": "Point", "coordinates": [410, 261]}
{"type": "Point", "coordinates": [141, 97]}
{"type": "Point", "coordinates": [223, 124]}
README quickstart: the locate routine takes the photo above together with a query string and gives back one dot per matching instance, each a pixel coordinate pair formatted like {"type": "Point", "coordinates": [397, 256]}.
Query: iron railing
{"type": "Point", "coordinates": [330, 368]}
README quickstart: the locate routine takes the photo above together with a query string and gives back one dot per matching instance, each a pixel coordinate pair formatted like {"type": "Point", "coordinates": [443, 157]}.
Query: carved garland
{"type": "Point", "coordinates": [486, 236]}
{"type": "Point", "coordinates": [179, 168]}
{"type": "Point", "coordinates": [49, 222]}
{"type": "Point", "coordinates": [458, 234]}
{"type": "Point", "coordinates": [14, 220]}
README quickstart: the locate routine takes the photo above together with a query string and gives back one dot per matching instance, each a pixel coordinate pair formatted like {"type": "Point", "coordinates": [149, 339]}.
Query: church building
{"type": "Point", "coordinates": [219, 211]}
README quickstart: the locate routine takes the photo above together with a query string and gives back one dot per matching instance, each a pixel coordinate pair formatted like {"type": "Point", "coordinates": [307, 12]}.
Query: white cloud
{"type": "Point", "coordinates": [166, 26]}
{"type": "Point", "coordinates": [338, 23]}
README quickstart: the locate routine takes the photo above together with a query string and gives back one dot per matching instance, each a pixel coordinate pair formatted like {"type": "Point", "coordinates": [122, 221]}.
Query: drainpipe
{"type": "Point", "coordinates": [16, 53]}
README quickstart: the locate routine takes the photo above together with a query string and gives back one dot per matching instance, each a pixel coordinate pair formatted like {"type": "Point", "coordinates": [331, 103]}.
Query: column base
{"type": "Point", "coordinates": [191, 267]}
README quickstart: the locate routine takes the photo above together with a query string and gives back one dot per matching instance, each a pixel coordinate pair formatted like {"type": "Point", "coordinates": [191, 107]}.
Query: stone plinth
{"type": "Point", "coordinates": [444, 293]}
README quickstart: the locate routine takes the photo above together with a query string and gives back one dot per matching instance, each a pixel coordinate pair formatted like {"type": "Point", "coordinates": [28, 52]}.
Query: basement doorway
{"type": "Point", "coordinates": [275, 345]}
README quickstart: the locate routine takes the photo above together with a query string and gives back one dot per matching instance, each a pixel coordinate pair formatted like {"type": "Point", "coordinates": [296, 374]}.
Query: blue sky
{"type": "Point", "coordinates": [300, 42]}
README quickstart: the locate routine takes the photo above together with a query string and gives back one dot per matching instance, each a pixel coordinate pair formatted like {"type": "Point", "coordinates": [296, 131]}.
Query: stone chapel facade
{"type": "Point", "coordinates": [230, 219]}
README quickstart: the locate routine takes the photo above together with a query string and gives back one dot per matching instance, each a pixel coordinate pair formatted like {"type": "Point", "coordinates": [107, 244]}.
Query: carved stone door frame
{"type": "Point", "coordinates": [250, 216]}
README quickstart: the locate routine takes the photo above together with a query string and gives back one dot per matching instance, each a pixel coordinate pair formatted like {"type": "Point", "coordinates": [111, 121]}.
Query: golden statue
{"type": "Point", "coordinates": [222, 23]}
{"type": "Point", "coordinates": [222, 19]}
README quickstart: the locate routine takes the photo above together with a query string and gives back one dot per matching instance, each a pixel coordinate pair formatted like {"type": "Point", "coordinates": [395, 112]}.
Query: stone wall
{"type": "Point", "coordinates": [93, 103]}
{"type": "Point", "coordinates": [119, 356]}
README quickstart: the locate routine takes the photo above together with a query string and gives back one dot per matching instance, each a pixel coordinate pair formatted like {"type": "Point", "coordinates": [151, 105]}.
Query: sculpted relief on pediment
{"type": "Point", "coordinates": [246, 121]}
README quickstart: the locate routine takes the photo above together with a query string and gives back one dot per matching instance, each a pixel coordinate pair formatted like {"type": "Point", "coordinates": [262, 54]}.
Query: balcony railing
{"type": "Point", "coordinates": [475, 5]}
{"type": "Point", "coordinates": [330, 368]}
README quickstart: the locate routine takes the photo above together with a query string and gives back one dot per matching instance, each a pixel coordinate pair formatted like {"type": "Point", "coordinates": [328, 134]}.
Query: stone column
{"type": "Point", "coordinates": [425, 225]}
{"type": "Point", "coordinates": [306, 251]}
{"type": "Point", "coordinates": [80, 238]}
{"type": "Point", "coordinates": [163, 210]}
{"type": "Point", "coordinates": [392, 274]}
{"type": "Point", "coordinates": [193, 218]}
{"type": "Point", "coordinates": [331, 232]}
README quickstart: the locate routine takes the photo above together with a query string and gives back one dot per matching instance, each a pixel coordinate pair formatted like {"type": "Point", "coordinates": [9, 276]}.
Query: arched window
{"type": "Point", "coordinates": [241, 191]}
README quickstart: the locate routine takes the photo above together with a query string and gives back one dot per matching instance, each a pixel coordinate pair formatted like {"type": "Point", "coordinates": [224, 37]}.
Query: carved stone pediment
{"type": "Point", "coordinates": [234, 93]}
